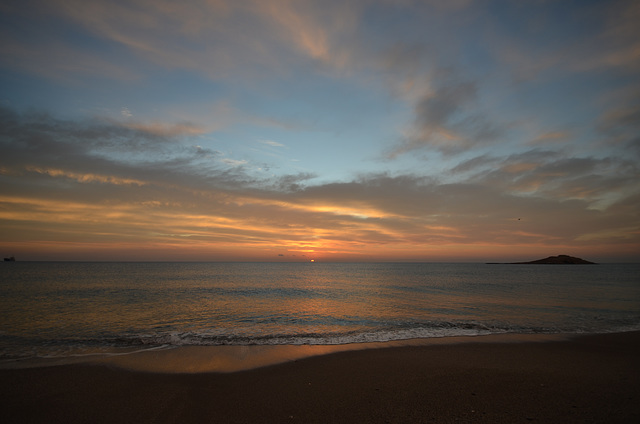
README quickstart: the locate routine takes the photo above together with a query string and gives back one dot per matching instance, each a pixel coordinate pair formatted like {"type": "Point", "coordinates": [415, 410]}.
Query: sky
{"type": "Point", "coordinates": [292, 130]}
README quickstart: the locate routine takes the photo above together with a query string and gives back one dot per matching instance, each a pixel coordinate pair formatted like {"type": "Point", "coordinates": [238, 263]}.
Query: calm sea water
{"type": "Point", "coordinates": [57, 309]}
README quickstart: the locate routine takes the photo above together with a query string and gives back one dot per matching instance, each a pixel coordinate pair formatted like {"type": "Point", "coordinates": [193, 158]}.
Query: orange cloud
{"type": "Point", "coordinates": [85, 178]}
{"type": "Point", "coordinates": [154, 209]}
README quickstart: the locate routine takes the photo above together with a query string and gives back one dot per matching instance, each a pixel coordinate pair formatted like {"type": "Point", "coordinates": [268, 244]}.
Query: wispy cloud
{"type": "Point", "coordinates": [174, 203]}
{"type": "Point", "coordinates": [500, 126]}
{"type": "Point", "coordinates": [447, 118]}
{"type": "Point", "coordinates": [216, 38]}
{"type": "Point", "coordinates": [125, 112]}
{"type": "Point", "coordinates": [553, 137]}
{"type": "Point", "coordinates": [271, 143]}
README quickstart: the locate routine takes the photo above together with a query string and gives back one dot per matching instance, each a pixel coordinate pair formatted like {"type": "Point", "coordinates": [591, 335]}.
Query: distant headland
{"type": "Point", "coordinates": [551, 260]}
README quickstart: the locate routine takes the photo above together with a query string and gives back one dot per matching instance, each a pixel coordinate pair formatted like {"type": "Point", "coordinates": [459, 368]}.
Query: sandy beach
{"type": "Point", "coordinates": [583, 379]}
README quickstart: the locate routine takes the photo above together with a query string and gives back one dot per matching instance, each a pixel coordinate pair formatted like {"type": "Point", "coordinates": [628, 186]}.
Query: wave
{"type": "Point", "coordinates": [407, 332]}
{"type": "Point", "coordinates": [14, 348]}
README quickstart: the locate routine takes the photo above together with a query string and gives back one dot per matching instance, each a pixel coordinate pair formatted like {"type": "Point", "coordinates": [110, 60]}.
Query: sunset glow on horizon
{"type": "Point", "coordinates": [319, 130]}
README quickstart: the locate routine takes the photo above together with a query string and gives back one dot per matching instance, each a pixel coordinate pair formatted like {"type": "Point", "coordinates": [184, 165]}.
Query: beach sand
{"type": "Point", "coordinates": [582, 379]}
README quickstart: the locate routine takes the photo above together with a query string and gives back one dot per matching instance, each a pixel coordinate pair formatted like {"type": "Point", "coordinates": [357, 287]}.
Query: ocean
{"type": "Point", "coordinates": [57, 309]}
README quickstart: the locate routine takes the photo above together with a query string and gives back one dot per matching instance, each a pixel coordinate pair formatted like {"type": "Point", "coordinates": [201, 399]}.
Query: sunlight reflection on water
{"type": "Point", "coordinates": [57, 306]}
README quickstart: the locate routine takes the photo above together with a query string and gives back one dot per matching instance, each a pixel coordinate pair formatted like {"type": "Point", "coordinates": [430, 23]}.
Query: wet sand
{"type": "Point", "coordinates": [580, 380]}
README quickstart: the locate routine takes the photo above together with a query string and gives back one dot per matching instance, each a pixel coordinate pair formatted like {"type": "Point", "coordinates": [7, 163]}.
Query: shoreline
{"type": "Point", "coordinates": [191, 359]}
{"type": "Point", "coordinates": [581, 378]}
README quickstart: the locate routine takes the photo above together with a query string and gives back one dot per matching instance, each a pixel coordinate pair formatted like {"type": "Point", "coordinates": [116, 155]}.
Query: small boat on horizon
{"type": "Point", "coordinates": [10, 259]}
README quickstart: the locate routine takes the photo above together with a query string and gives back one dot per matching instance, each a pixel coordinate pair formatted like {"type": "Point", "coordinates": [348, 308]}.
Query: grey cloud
{"type": "Point", "coordinates": [628, 116]}
{"type": "Point", "coordinates": [634, 146]}
{"type": "Point", "coordinates": [473, 164]}
{"type": "Point", "coordinates": [404, 67]}
{"type": "Point", "coordinates": [221, 39]}
{"type": "Point", "coordinates": [440, 108]}
{"type": "Point", "coordinates": [292, 183]}
{"type": "Point", "coordinates": [621, 126]}
{"type": "Point", "coordinates": [483, 166]}
{"type": "Point", "coordinates": [421, 209]}
{"type": "Point", "coordinates": [482, 208]}
{"type": "Point", "coordinates": [38, 147]}
{"type": "Point", "coordinates": [448, 118]}
{"type": "Point", "coordinates": [41, 131]}
{"type": "Point", "coordinates": [598, 36]}
{"type": "Point", "coordinates": [552, 175]}
{"type": "Point", "coordinates": [36, 139]}
{"type": "Point", "coordinates": [202, 151]}
{"type": "Point", "coordinates": [552, 137]}
{"type": "Point", "coordinates": [392, 194]}
{"type": "Point", "coordinates": [617, 44]}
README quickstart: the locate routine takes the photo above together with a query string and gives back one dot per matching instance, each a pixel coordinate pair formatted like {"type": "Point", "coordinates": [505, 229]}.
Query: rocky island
{"type": "Point", "coordinates": [553, 260]}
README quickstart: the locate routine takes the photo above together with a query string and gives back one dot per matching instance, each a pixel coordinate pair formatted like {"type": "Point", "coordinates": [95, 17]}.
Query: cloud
{"type": "Point", "coordinates": [206, 152]}
{"type": "Point", "coordinates": [617, 45]}
{"type": "Point", "coordinates": [599, 182]}
{"type": "Point", "coordinates": [271, 143]}
{"type": "Point", "coordinates": [621, 126]}
{"type": "Point", "coordinates": [247, 40]}
{"type": "Point", "coordinates": [169, 184]}
{"type": "Point", "coordinates": [106, 150]}
{"type": "Point", "coordinates": [113, 150]}
{"type": "Point", "coordinates": [164, 129]}
{"type": "Point", "coordinates": [552, 137]}
{"type": "Point", "coordinates": [221, 39]}
{"type": "Point", "coordinates": [234, 162]}
{"type": "Point", "coordinates": [61, 183]}
{"type": "Point", "coordinates": [60, 61]}
{"type": "Point", "coordinates": [448, 119]}
{"type": "Point", "coordinates": [459, 108]}
{"type": "Point", "coordinates": [405, 69]}
{"type": "Point", "coordinates": [292, 183]}
{"type": "Point", "coordinates": [415, 211]}
{"type": "Point", "coordinates": [596, 37]}
{"type": "Point", "coordinates": [84, 177]}
{"type": "Point", "coordinates": [312, 27]}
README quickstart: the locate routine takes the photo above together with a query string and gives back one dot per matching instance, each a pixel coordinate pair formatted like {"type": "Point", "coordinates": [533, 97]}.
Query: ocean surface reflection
{"type": "Point", "coordinates": [50, 308]}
